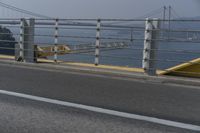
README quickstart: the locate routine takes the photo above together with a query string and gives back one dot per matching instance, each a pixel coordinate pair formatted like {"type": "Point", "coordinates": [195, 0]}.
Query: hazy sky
{"type": "Point", "coordinates": [104, 8]}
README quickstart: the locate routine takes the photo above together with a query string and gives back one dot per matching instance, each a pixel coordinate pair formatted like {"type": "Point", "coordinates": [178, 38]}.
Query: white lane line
{"type": "Point", "coordinates": [105, 111]}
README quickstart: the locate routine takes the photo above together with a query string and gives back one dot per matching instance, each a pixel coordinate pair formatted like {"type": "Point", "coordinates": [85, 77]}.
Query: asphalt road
{"type": "Point", "coordinates": [26, 116]}
{"type": "Point", "coordinates": [169, 102]}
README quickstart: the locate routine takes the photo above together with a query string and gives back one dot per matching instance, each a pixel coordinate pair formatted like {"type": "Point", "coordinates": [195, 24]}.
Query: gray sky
{"type": "Point", "coordinates": [104, 8]}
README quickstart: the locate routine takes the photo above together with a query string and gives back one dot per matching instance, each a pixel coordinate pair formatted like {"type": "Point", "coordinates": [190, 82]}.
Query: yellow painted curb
{"type": "Point", "coordinates": [7, 57]}
{"type": "Point", "coordinates": [107, 67]}
{"type": "Point", "coordinates": [190, 69]}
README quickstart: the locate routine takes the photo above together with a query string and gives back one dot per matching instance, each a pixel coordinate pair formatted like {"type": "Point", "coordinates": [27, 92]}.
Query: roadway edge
{"type": "Point", "coordinates": [106, 72]}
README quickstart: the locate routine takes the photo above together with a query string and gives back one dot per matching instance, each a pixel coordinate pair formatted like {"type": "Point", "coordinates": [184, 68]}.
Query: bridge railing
{"type": "Point", "coordinates": [149, 44]}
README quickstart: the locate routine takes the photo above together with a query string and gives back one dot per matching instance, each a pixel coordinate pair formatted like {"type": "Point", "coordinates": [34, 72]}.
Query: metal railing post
{"type": "Point", "coordinates": [29, 41]}
{"type": "Point", "coordinates": [150, 46]}
{"type": "Point", "coordinates": [56, 41]}
{"type": "Point", "coordinates": [21, 40]}
{"type": "Point", "coordinates": [97, 49]}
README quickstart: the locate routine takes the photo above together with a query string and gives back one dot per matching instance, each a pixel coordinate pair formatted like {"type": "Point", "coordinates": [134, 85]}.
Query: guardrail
{"type": "Point", "coordinates": [151, 44]}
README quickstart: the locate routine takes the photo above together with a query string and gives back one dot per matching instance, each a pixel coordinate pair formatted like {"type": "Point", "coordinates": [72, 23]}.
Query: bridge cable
{"type": "Point", "coordinates": [23, 11]}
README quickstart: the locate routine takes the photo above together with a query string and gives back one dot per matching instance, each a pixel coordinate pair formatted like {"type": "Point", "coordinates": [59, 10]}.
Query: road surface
{"type": "Point", "coordinates": [170, 102]}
